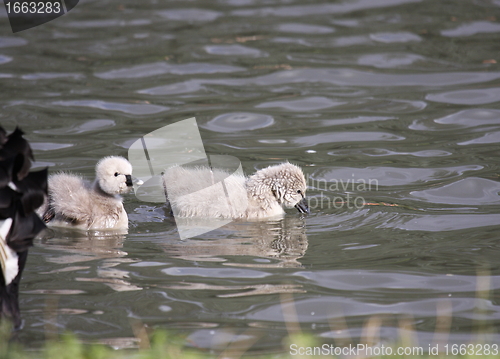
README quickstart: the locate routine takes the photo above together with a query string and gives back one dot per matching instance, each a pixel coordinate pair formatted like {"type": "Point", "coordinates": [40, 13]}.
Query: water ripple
{"type": "Point", "coordinates": [161, 68]}
{"type": "Point", "coordinates": [391, 37]}
{"type": "Point", "coordinates": [332, 137]}
{"type": "Point", "coordinates": [368, 280]}
{"type": "Point", "coordinates": [238, 121]}
{"type": "Point", "coordinates": [491, 137]}
{"type": "Point", "coordinates": [467, 97]}
{"type": "Point", "coordinates": [380, 152]}
{"type": "Point", "coordinates": [390, 60]}
{"type": "Point", "coordinates": [233, 50]}
{"type": "Point", "coordinates": [52, 75]}
{"type": "Point", "coordinates": [481, 119]}
{"type": "Point", "coordinates": [355, 120]}
{"type": "Point", "coordinates": [392, 105]}
{"type": "Point", "coordinates": [468, 191]}
{"type": "Point", "coordinates": [6, 41]}
{"type": "Point", "coordinates": [176, 88]}
{"type": "Point", "coordinates": [191, 15]}
{"type": "Point", "coordinates": [444, 222]}
{"type": "Point", "coordinates": [4, 59]}
{"type": "Point", "coordinates": [471, 118]}
{"type": "Point", "coordinates": [305, 28]}
{"type": "Point", "coordinates": [214, 272]}
{"type": "Point", "coordinates": [321, 9]}
{"type": "Point", "coordinates": [305, 104]}
{"type": "Point", "coordinates": [87, 126]}
{"type": "Point", "coordinates": [86, 24]}
{"type": "Point", "coordinates": [325, 308]}
{"type": "Point", "coordinates": [49, 146]}
{"type": "Point", "coordinates": [134, 109]}
{"type": "Point", "coordinates": [391, 176]}
{"type": "Point", "coordinates": [346, 77]}
{"type": "Point", "coordinates": [473, 28]}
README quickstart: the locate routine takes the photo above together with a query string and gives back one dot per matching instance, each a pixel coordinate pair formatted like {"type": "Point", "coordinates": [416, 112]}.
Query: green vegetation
{"type": "Point", "coordinates": [161, 345]}
{"type": "Point", "coordinates": [69, 347]}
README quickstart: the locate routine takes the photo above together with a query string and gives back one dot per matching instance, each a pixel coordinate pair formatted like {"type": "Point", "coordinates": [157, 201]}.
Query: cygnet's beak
{"type": "Point", "coordinates": [302, 206]}
{"type": "Point", "coordinates": [128, 180]}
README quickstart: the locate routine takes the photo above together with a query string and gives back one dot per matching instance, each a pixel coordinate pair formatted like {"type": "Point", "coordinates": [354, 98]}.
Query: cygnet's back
{"type": "Point", "coordinates": [201, 192]}
{"type": "Point", "coordinates": [263, 195]}
{"type": "Point", "coordinates": [75, 202]}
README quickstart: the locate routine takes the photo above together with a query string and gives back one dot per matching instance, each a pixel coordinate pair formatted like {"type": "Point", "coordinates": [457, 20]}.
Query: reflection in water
{"type": "Point", "coordinates": [280, 243]}
{"type": "Point", "coordinates": [275, 244]}
{"type": "Point", "coordinates": [82, 246]}
{"type": "Point", "coordinates": [242, 290]}
{"type": "Point", "coordinates": [79, 246]}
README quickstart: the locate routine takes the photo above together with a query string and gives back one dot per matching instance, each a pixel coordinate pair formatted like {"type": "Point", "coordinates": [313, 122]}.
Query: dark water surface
{"type": "Point", "coordinates": [391, 107]}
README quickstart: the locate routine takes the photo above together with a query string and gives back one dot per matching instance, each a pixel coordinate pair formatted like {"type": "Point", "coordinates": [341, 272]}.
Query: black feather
{"type": "Point", "coordinates": [19, 203]}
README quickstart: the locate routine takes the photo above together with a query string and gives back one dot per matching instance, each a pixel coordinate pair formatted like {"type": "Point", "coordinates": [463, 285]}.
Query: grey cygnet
{"type": "Point", "coordinates": [261, 195]}
{"type": "Point", "coordinates": [75, 202]}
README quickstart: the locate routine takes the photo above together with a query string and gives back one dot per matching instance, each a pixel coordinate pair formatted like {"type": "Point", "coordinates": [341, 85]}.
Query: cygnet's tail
{"type": "Point", "coordinates": [69, 198]}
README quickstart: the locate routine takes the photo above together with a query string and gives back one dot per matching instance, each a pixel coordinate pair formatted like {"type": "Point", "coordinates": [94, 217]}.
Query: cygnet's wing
{"type": "Point", "coordinates": [69, 197]}
{"type": "Point", "coordinates": [180, 181]}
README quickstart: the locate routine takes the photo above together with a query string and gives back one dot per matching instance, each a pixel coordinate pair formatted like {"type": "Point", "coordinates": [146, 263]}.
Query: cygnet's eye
{"type": "Point", "coordinates": [116, 174]}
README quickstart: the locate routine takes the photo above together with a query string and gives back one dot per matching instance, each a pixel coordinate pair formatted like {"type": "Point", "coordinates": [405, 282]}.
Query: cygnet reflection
{"type": "Point", "coordinates": [274, 243]}
{"type": "Point", "coordinates": [75, 249]}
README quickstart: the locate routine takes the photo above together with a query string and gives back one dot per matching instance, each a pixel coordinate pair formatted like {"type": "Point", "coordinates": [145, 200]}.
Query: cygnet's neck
{"type": "Point", "coordinates": [97, 188]}
{"type": "Point", "coordinates": [260, 192]}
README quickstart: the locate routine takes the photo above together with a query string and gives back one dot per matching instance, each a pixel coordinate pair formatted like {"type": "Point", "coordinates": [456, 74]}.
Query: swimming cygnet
{"type": "Point", "coordinates": [74, 202]}
{"type": "Point", "coordinates": [262, 195]}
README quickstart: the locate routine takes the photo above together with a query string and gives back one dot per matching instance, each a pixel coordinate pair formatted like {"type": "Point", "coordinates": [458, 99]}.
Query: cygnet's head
{"type": "Point", "coordinates": [285, 183]}
{"type": "Point", "coordinates": [114, 175]}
